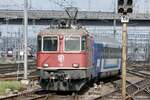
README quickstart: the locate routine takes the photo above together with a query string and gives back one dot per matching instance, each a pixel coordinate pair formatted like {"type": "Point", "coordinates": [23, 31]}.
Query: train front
{"type": "Point", "coordinates": [62, 60]}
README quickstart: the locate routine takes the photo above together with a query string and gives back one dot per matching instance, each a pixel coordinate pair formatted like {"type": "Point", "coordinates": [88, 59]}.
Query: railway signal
{"type": "Point", "coordinates": [124, 7]}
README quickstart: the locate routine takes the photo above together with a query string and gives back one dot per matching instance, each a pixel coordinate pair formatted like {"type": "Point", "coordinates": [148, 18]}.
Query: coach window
{"type": "Point", "coordinates": [72, 43]}
{"type": "Point", "coordinates": [39, 43]}
{"type": "Point", "coordinates": [83, 42]}
{"type": "Point", "coordinates": [50, 43]}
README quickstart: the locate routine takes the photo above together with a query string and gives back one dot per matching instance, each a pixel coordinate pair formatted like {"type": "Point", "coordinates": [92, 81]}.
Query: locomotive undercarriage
{"type": "Point", "coordinates": [62, 80]}
{"type": "Point", "coordinates": [55, 85]}
{"type": "Point", "coordinates": [69, 80]}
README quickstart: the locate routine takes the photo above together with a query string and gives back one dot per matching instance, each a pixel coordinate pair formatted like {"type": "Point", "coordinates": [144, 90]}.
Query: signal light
{"type": "Point", "coordinates": [125, 6]}
{"type": "Point", "coordinates": [129, 10]}
{"type": "Point", "coordinates": [129, 2]}
{"type": "Point", "coordinates": [120, 2]}
{"type": "Point", "coordinates": [120, 10]}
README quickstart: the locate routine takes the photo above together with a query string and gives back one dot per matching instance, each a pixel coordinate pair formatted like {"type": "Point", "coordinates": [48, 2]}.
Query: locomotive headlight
{"type": "Point", "coordinates": [67, 77]}
{"type": "Point", "coordinates": [75, 65]}
{"type": "Point", "coordinates": [52, 76]}
{"type": "Point", "coordinates": [45, 65]}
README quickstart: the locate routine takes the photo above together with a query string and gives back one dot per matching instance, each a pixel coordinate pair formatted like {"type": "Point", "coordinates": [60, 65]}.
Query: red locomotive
{"type": "Point", "coordinates": [64, 58]}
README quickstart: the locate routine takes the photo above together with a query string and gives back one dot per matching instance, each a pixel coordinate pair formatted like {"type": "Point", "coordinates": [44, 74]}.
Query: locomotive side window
{"type": "Point", "coordinates": [39, 43]}
{"type": "Point", "coordinates": [50, 43]}
{"type": "Point", "coordinates": [72, 43]}
{"type": "Point", "coordinates": [83, 42]}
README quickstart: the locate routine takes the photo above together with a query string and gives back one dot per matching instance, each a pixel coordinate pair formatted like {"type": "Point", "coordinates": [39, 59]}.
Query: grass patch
{"type": "Point", "coordinates": [12, 85]}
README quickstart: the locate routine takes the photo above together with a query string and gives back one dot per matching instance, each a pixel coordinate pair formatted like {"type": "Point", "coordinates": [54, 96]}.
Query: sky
{"type": "Point", "coordinates": [92, 5]}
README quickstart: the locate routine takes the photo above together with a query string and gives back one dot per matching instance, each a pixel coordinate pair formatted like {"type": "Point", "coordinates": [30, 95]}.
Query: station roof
{"type": "Point", "coordinates": [51, 14]}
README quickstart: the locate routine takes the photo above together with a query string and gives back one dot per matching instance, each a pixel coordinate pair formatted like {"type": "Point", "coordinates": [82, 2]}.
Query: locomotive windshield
{"type": "Point", "coordinates": [72, 43]}
{"type": "Point", "coordinates": [50, 43]}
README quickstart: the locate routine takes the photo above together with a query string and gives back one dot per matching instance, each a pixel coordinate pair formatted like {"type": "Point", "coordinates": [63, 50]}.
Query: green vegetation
{"type": "Point", "coordinates": [12, 85]}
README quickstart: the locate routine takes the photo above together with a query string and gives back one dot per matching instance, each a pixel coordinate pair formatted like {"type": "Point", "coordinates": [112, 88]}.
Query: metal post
{"type": "Point", "coordinates": [89, 5]}
{"type": "Point", "coordinates": [15, 45]}
{"type": "Point", "coordinates": [25, 37]}
{"type": "Point", "coordinates": [149, 49]}
{"type": "Point", "coordinates": [7, 22]}
{"type": "Point", "coordinates": [124, 56]}
{"type": "Point", "coordinates": [19, 44]}
{"type": "Point", "coordinates": [114, 17]}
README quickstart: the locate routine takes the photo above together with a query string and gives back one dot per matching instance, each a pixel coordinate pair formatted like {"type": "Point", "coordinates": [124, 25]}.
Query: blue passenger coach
{"type": "Point", "coordinates": [106, 57]}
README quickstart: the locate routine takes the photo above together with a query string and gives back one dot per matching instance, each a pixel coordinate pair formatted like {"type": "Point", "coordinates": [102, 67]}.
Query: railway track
{"type": "Point", "coordinates": [38, 94]}
{"type": "Point", "coordinates": [9, 68]}
{"type": "Point", "coordinates": [139, 90]}
{"type": "Point", "coordinates": [32, 75]}
{"type": "Point", "coordinates": [15, 71]}
{"type": "Point", "coordinates": [25, 95]}
{"type": "Point", "coordinates": [136, 90]}
{"type": "Point", "coordinates": [138, 87]}
{"type": "Point", "coordinates": [85, 94]}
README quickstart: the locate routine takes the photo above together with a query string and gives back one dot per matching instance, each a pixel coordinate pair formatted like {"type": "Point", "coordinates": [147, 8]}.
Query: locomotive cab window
{"type": "Point", "coordinates": [72, 43]}
{"type": "Point", "coordinates": [83, 42]}
{"type": "Point", "coordinates": [39, 40]}
{"type": "Point", "coordinates": [50, 43]}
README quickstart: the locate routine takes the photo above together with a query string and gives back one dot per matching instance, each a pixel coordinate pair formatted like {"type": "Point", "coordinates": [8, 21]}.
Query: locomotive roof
{"type": "Point", "coordinates": [107, 41]}
{"type": "Point", "coordinates": [49, 31]}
